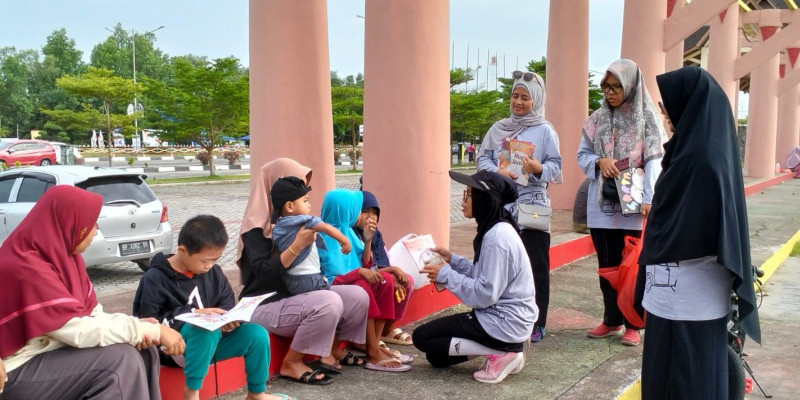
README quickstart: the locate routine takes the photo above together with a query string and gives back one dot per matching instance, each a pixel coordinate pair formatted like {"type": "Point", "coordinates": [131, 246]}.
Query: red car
{"type": "Point", "coordinates": [27, 152]}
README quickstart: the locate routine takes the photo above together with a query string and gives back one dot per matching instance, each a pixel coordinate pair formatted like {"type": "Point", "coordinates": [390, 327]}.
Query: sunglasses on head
{"type": "Point", "coordinates": [526, 76]}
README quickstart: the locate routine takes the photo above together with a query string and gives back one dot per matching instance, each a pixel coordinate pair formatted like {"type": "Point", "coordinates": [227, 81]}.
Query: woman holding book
{"type": "Point", "coordinates": [626, 128]}
{"type": "Point", "coordinates": [542, 165]}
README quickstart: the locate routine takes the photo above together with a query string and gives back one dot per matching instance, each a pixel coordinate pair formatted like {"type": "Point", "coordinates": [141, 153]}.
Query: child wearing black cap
{"type": "Point", "coordinates": [289, 197]}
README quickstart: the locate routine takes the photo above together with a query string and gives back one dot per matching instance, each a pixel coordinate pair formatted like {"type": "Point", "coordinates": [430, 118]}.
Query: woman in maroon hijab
{"type": "Point", "coordinates": [56, 340]}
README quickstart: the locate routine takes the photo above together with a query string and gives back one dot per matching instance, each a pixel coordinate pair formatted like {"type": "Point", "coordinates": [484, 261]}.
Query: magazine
{"type": "Point", "coordinates": [241, 312]}
{"type": "Point", "coordinates": [630, 187]}
{"type": "Point", "coordinates": [512, 152]}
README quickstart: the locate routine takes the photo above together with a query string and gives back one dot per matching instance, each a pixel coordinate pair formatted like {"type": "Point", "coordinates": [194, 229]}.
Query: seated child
{"type": "Point", "coordinates": [374, 247]}
{"type": "Point", "coordinates": [190, 281]}
{"type": "Point", "coordinates": [289, 197]}
{"type": "Point", "coordinates": [342, 209]}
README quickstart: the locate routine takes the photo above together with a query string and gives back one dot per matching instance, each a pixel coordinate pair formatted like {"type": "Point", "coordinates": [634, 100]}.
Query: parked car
{"type": "Point", "coordinates": [133, 223]}
{"type": "Point", "coordinates": [27, 152]}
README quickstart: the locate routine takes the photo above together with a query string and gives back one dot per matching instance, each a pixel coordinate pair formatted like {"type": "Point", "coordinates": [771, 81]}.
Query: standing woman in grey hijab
{"type": "Point", "coordinates": [527, 123]}
{"type": "Point", "coordinates": [626, 126]}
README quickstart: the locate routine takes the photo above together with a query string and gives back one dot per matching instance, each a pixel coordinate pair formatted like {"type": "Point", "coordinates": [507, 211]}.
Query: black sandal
{"type": "Point", "coordinates": [326, 368]}
{"type": "Point", "coordinates": [308, 378]}
{"type": "Point", "coordinates": [352, 360]}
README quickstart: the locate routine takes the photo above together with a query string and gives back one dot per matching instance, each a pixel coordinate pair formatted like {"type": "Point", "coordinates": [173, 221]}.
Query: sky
{"type": "Point", "coordinates": [219, 28]}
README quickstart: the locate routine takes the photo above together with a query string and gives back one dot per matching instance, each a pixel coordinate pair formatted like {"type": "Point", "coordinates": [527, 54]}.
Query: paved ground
{"type": "Point", "coordinates": [566, 365]}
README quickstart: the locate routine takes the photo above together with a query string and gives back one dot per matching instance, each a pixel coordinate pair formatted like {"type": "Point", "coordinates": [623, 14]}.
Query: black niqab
{"type": "Point", "coordinates": [699, 205]}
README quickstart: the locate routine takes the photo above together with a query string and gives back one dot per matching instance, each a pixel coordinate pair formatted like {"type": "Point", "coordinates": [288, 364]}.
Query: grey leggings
{"type": "Point", "coordinates": [116, 372]}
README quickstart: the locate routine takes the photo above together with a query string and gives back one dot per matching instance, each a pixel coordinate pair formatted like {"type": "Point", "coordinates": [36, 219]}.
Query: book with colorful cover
{"type": "Point", "coordinates": [630, 187]}
{"type": "Point", "coordinates": [241, 312]}
{"type": "Point", "coordinates": [512, 152]}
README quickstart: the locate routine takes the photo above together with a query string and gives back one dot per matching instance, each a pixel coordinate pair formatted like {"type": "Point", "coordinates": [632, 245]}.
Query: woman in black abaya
{"type": "Point", "coordinates": [696, 245]}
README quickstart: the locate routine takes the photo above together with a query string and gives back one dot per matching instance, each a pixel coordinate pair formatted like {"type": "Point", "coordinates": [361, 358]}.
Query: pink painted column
{"type": "Point", "coordinates": [407, 115]}
{"type": "Point", "coordinates": [673, 59]}
{"type": "Point", "coordinates": [643, 39]}
{"type": "Point", "coordinates": [567, 90]}
{"type": "Point", "coordinates": [788, 115]}
{"type": "Point", "coordinates": [763, 116]}
{"type": "Point", "coordinates": [290, 89]}
{"type": "Point", "coordinates": [723, 50]}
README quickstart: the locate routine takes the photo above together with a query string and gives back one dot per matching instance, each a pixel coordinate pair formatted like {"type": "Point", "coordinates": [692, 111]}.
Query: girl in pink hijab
{"type": "Point", "coordinates": [315, 321]}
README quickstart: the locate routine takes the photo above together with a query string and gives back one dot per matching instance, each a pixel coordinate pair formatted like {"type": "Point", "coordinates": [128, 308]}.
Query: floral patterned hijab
{"type": "Point", "coordinates": [632, 130]}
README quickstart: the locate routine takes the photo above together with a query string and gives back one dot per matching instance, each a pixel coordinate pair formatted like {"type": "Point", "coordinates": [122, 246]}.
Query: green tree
{"type": "Point", "coordinates": [61, 57]}
{"type": "Point", "coordinates": [16, 107]}
{"type": "Point", "coordinates": [347, 104]}
{"type": "Point", "coordinates": [473, 113]}
{"type": "Point", "coordinates": [459, 76]}
{"type": "Point", "coordinates": [115, 53]}
{"type": "Point", "coordinates": [104, 87]}
{"type": "Point", "coordinates": [202, 103]}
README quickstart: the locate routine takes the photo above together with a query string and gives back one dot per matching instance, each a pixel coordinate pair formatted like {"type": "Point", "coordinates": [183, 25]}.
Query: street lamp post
{"type": "Point", "coordinates": [136, 107]}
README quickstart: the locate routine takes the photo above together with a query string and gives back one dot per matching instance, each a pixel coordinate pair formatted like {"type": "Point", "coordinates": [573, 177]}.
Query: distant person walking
{"type": "Point", "coordinates": [471, 152]}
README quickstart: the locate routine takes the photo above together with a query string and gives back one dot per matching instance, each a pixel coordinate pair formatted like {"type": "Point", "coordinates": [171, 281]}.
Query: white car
{"type": "Point", "coordinates": [134, 224]}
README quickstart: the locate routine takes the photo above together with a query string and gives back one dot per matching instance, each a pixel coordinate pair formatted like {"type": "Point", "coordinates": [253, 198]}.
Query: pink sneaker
{"type": "Point", "coordinates": [496, 368]}
{"type": "Point", "coordinates": [631, 337]}
{"type": "Point", "coordinates": [602, 331]}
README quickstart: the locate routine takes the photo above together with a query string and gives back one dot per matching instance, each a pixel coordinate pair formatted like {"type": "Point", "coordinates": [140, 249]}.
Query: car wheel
{"type": "Point", "coordinates": [45, 161]}
{"type": "Point", "coordinates": [144, 263]}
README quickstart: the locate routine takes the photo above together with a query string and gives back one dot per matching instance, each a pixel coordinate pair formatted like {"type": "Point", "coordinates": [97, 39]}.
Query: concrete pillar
{"type": "Point", "coordinates": [673, 59]}
{"type": "Point", "coordinates": [723, 51]}
{"type": "Point", "coordinates": [763, 115]}
{"type": "Point", "coordinates": [407, 115]}
{"type": "Point", "coordinates": [567, 84]}
{"type": "Point", "coordinates": [290, 88]}
{"type": "Point", "coordinates": [643, 39]}
{"type": "Point", "coordinates": [788, 115]}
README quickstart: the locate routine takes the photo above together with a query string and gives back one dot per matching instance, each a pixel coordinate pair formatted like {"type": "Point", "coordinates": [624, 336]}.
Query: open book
{"type": "Point", "coordinates": [512, 152]}
{"type": "Point", "coordinates": [242, 312]}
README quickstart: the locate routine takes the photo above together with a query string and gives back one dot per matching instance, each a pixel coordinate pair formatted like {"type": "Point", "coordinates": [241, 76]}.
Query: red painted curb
{"type": "Point", "coordinates": [761, 185]}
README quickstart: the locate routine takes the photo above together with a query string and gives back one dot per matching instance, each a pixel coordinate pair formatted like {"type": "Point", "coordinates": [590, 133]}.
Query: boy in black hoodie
{"type": "Point", "coordinates": [190, 281]}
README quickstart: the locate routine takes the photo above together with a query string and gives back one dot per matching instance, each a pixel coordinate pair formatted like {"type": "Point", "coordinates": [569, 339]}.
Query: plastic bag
{"type": "Point", "coordinates": [623, 279]}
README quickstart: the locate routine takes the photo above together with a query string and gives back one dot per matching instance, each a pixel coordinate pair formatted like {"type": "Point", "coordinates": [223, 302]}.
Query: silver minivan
{"type": "Point", "coordinates": [134, 224]}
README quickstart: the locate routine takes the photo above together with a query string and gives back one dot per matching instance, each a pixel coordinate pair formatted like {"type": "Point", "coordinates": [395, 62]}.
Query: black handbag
{"type": "Point", "coordinates": [610, 190]}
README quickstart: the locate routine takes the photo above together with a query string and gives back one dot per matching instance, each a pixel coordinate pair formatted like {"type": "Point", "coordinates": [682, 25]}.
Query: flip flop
{"type": "Point", "coordinates": [283, 396]}
{"type": "Point", "coordinates": [397, 336]}
{"type": "Point", "coordinates": [381, 366]}
{"type": "Point", "coordinates": [403, 358]}
{"type": "Point", "coordinates": [352, 360]}
{"type": "Point", "coordinates": [326, 368]}
{"type": "Point", "coordinates": [308, 378]}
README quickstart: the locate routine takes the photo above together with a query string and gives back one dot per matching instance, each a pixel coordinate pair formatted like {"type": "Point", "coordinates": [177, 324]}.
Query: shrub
{"type": "Point", "coordinates": [203, 157]}
{"type": "Point", "coordinates": [131, 160]}
{"type": "Point", "coordinates": [232, 156]}
{"type": "Point", "coordinates": [17, 164]}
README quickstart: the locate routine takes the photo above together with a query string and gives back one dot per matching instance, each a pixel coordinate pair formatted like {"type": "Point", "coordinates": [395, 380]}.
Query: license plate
{"type": "Point", "coordinates": [138, 247]}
